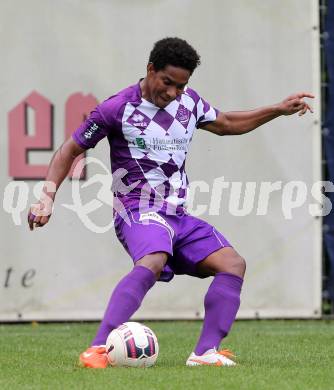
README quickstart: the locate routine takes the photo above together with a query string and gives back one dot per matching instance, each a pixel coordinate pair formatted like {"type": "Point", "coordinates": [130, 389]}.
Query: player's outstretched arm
{"type": "Point", "coordinates": [61, 163]}
{"type": "Point", "coordinates": [241, 122]}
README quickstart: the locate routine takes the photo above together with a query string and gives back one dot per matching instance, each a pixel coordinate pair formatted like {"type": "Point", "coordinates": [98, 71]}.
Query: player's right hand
{"type": "Point", "coordinates": [39, 215]}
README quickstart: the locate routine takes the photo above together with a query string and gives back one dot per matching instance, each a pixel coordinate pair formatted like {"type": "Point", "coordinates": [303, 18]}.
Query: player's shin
{"type": "Point", "coordinates": [221, 304]}
{"type": "Point", "coordinates": [125, 300]}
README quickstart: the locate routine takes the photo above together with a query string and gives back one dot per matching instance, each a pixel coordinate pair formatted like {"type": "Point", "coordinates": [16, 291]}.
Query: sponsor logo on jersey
{"type": "Point", "coordinates": [91, 131]}
{"type": "Point", "coordinates": [170, 144]}
{"type": "Point", "coordinates": [141, 143]}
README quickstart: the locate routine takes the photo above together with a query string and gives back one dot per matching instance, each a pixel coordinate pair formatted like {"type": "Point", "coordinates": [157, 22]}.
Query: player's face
{"type": "Point", "coordinates": [165, 85]}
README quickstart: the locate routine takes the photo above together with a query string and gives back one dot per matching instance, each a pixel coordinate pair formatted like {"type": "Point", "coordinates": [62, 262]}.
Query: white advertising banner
{"type": "Point", "coordinates": [59, 59]}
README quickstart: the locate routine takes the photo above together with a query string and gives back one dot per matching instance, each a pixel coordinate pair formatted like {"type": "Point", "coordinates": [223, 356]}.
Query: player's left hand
{"type": "Point", "coordinates": [296, 103]}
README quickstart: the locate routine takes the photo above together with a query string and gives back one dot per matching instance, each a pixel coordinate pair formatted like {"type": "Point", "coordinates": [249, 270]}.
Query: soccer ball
{"type": "Point", "coordinates": [132, 345]}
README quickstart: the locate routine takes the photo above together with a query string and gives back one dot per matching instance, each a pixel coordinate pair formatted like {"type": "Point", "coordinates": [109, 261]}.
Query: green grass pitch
{"type": "Point", "coordinates": [271, 354]}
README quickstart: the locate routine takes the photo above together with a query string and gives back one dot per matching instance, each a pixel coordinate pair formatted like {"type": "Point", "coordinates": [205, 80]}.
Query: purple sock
{"type": "Point", "coordinates": [221, 304]}
{"type": "Point", "coordinates": [125, 300]}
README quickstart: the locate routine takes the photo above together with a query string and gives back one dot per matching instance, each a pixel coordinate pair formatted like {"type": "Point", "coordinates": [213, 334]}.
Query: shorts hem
{"type": "Point", "coordinates": [203, 257]}
{"type": "Point", "coordinates": [150, 251]}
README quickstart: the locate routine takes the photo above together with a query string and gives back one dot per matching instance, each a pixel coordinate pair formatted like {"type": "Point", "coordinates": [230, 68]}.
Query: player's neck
{"type": "Point", "coordinates": [144, 90]}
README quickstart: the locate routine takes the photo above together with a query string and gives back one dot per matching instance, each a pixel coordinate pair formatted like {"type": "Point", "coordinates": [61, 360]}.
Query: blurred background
{"type": "Point", "coordinates": [59, 59]}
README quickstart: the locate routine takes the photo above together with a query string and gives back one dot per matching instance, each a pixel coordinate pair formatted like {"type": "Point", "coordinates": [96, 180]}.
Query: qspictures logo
{"type": "Point", "coordinates": [238, 199]}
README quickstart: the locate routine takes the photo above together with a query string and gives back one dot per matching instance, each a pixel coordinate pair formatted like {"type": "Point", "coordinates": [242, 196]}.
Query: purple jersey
{"type": "Point", "coordinates": [149, 142]}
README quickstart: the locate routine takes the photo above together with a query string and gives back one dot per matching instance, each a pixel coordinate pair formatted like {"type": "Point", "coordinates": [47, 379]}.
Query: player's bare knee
{"type": "Point", "coordinates": [241, 266]}
{"type": "Point", "coordinates": [154, 262]}
{"type": "Point", "coordinates": [155, 268]}
{"type": "Point", "coordinates": [236, 266]}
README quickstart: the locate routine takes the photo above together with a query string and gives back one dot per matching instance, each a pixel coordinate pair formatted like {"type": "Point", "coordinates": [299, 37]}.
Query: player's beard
{"type": "Point", "coordinates": [161, 101]}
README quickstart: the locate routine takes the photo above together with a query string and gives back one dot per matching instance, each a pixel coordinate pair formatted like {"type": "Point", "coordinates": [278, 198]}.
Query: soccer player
{"type": "Point", "coordinates": [149, 126]}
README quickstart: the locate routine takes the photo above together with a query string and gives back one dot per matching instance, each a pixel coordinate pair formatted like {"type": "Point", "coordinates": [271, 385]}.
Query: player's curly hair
{"type": "Point", "coordinates": [176, 52]}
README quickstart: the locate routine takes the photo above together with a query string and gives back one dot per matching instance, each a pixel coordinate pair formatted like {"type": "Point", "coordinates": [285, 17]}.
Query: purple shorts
{"type": "Point", "coordinates": [187, 239]}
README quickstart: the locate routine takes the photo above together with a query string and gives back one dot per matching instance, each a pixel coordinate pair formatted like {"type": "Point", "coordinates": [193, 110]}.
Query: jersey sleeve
{"type": "Point", "coordinates": [99, 124]}
{"type": "Point", "coordinates": [92, 130]}
{"type": "Point", "coordinates": [205, 112]}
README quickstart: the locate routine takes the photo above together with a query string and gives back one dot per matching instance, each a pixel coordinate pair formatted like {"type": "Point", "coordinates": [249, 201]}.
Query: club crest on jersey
{"type": "Point", "coordinates": [90, 131]}
{"type": "Point", "coordinates": [183, 115]}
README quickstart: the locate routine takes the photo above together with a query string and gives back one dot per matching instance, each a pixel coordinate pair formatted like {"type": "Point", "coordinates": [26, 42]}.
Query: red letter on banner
{"type": "Point", "coordinates": [20, 142]}
{"type": "Point", "coordinates": [77, 110]}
